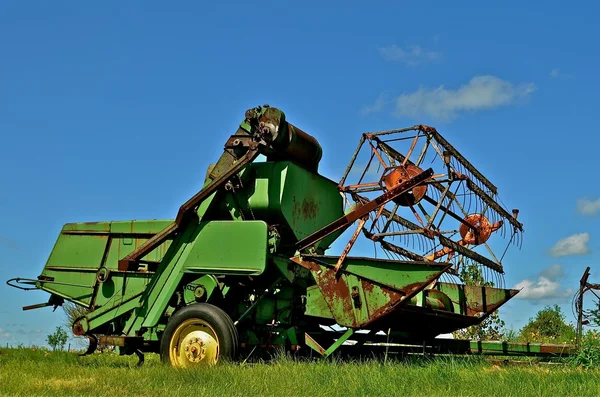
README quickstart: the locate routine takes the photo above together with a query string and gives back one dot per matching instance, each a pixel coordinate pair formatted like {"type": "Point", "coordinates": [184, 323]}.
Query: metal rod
{"type": "Point", "coordinates": [343, 180]}
{"type": "Point", "coordinates": [423, 152]}
{"type": "Point", "coordinates": [377, 154]}
{"type": "Point", "coordinates": [439, 205]}
{"type": "Point", "coordinates": [380, 133]}
{"type": "Point", "coordinates": [405, 232]}
{"type": "Point", "coordinates": [410, 150]}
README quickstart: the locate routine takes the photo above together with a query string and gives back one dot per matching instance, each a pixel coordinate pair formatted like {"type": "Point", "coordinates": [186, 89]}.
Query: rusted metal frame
{"type": "Point", "coordinates": [423, 151]}
{"type": "Point", "coordinates": [363, 210]}
{"type": "Point", "coordinates": [452, 197]}
{"type": "Point", "coordinates": [393, 153]}
{"type": "Point", "coordinates": [351, 164]}
{"type": "Point", "coordinates": [362, 185]}
{"type": "Point", "coordinates": [389, 214]}
{"type": "Point", "coordinates": [438, 206]}
{"type": "Point", "coordinates": [440, 153]}
{"type": "Point", "coordinates": [396, 131]}
{"type": "Point", "coordinates": [439, 181]}
{"type": "Point", "coordinates": [490, 202]}
{"type": "Point", "coordinates": [446, 242]}
{"type": "Point", "coordinates": [187, 208]}
{"type": "Point", "coordinates": [377, 154]}
{"type": "Point", "coordinates": [423, 211]}
{"type": "Point", "coordinates": [384, 148]}
{"type": "Point", "coordinates": [401, 251]}
{"type": "Point", "coordinates": [447, 211]}
{"type": "Point", "coordinates": [376, 218]}
{"type": "Point", "coordinates": [416, 215]}
{"type": "Point", "coordinates": [350, 244]}
{"type": "Point", "coordinates": [404, 138]}
{"type": "Point", "coordinates": [364, 173]}
{"type": "Point", "coordinates": [361, 189]}
{"type": "Point", "coordinates": [416, 231]}
{"type": "Point", "coordinates": [412, 147]}
{"type": "Point", "coordinates": [459, 157]}
{"type": "Point", "coordinates": [489, 250]}
{"type": "Point", "coordinates": [389, 219]}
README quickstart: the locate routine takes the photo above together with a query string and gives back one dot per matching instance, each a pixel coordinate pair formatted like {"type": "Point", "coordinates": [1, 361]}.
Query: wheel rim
{"type": "Point", "coordinates": [194, 343]}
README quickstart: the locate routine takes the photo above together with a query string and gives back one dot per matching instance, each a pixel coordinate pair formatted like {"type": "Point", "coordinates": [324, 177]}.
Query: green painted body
{"type": "Point", "coordinates": [243, 243]}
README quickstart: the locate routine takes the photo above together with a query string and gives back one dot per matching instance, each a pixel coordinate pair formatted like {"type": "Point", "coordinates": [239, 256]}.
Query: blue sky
{"type": "Point", "coordinates": [114, 111]}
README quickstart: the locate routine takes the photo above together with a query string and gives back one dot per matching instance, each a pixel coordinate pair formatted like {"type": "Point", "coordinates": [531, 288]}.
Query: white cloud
{"type": "Point", "coordinates": [413, 55]}
{"type": "Point", "coordinates": [546, 287]}
{"type": "Point", "coordinates": [481, 92]}
{"type": "Point", "coordinates": [542, 288]}
{"type": "Point", "coordinates": [588, 207]}
{"type": "Point", "coordinates": [376, 107]}
{"type": "Point", "coordinates": [572, 245]}
{"type": "Point", "coordinates": [553, 272]}
{"type": "Point", "coordinates": [555, 73]}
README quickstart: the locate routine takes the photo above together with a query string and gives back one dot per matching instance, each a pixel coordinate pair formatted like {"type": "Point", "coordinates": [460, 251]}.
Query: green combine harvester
{"type": "Point", "coordinates": [244, 265]}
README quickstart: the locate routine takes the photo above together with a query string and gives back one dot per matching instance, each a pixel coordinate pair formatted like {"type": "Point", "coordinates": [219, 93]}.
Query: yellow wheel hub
{"type": "Point", "coordinates": [194, 342]}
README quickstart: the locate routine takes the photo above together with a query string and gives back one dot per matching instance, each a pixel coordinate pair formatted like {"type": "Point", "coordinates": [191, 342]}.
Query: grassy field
{"type": "Point", "coordinates": [43, 373]}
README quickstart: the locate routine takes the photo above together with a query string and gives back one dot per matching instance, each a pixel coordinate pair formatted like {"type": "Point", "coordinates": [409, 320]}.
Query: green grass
{"type": "Point", "coordinates": [43, 373]}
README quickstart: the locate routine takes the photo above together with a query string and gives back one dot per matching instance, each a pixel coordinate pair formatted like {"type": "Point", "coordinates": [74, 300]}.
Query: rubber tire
{"type": "Point", "coordinates": [216, 317]}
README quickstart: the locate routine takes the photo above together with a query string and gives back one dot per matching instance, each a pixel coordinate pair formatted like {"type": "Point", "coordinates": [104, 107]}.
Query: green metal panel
{"type": "Point", "coordinates": [82, 248]}
{"type": "Point", "coordinates": [229, 247]}
{"type": "Point", "coordinates": [285, 193]}
{"type": "Point", "coordinates": [473, 300]}
{"type": "Point", "coordinates": [78, 251]}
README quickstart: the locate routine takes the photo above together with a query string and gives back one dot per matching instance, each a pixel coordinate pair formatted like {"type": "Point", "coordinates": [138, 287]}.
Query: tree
{"type": "Point", "coordinates": [594, 314]}
{"type": "Point", "coordinates": [58, 339]}
{"type": "Point", "coordinates": [548, 326]}
{"type": "Point", "coordinates": [492, 328]}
